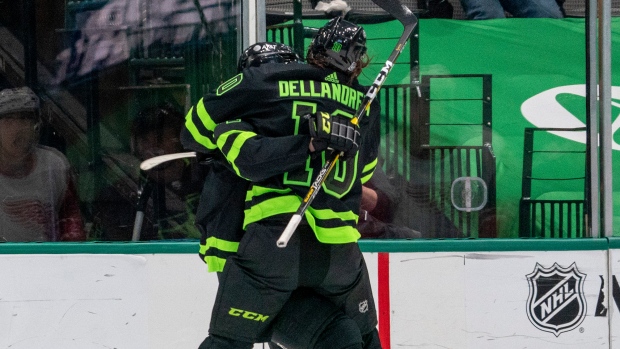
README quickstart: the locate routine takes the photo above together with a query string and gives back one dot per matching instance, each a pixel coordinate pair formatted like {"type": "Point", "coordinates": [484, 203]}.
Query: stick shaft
{"type": "Point", "coordinates": [137, 226]}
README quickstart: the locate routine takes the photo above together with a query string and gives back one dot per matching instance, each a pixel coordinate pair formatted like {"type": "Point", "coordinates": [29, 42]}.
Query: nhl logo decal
{"type": "Point", "coordinates": [363, 306]}
{"type": "Point", "coordinates": [556, 302]}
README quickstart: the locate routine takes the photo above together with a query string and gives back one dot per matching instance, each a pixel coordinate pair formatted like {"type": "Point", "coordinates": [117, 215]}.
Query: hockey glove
{"type": "Point", "coordinates": [334, 132]}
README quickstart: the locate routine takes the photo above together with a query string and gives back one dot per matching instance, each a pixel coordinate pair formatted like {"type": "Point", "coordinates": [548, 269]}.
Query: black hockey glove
{"type": "Point", "coordinates": [333, 132]}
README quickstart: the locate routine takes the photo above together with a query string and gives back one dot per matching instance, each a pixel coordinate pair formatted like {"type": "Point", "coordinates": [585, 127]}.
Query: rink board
{"type": "Point", "coordinates": [432, 294]}
{"type": "Point", "coordinates": [614, 293]}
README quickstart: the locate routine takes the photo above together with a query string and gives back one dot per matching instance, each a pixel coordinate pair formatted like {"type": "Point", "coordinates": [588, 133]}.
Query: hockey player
{"type": "Point", "coordinates": [222, 228]}
{"type": "Point", "coordinates": [280, 158]}
{"type": "Point", "coordinates": [329, 325]}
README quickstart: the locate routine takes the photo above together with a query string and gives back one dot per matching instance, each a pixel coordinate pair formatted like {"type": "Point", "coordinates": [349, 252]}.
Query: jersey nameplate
{"type": "Point", "coordinates": [340, 93]}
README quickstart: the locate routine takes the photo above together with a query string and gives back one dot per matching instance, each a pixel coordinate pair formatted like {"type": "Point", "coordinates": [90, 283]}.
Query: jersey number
{"type": "Point", "coordinates": [342, 176]}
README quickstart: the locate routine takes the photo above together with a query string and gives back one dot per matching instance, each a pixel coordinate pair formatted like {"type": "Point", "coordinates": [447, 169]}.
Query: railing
{"type": "Point", "coordinates": [555, 214]}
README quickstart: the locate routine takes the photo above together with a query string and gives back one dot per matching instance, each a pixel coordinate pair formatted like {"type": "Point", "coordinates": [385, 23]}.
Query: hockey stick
{"type": "Point", "coordinates": [409, 21]}
{"type": "Point", "coordinates": [144, 192]}
{"type": "Point", "coordinates": [158, 160]}
{"type": "Point", "coordinates": [145, 189]}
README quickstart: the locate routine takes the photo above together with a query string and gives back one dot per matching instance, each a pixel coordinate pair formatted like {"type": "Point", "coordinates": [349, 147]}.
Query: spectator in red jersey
{"type": "Point", "coordinates": [38, 200]}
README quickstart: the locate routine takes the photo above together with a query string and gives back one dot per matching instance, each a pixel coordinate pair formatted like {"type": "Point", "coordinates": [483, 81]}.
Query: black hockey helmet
{"type": "Point", "coordinates": [266, 52]}
{"type": "Point", "coordinates": [342, 43]}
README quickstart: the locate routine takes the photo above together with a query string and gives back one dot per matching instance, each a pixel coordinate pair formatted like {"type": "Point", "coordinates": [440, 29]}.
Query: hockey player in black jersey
{"type": "Point", "coordinates": [220, 211]}
{"type": "Point", "coordinates": [286, 117]}
{"type": "Point", "coordinates": [326, 326]}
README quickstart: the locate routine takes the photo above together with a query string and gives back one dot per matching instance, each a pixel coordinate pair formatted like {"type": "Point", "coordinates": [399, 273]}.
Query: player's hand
{"type": "Point", "coordinates": [334, 132]}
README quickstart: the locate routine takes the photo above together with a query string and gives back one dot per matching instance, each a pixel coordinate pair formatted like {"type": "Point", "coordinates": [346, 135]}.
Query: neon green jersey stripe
{"type": "Point", "coordinates": [235, 149]}
{"type": "Point", "coordinates": [214, 264]}
{"type": "Point", "coordinates": [368, 170]}
{"type": "Point", "coordinates": [204, 115]}
{"type": "Point", "coordinates": [329, 214]}
{"type": "Point", "coordinates": [370, 166]}
{"type": "Point", "coordinates": [336, 235]}
{"type": "Point", "coordinates": [222, 245]}
{"type": "Point", "coordinates": [366, 178]}
{"type": "Point", "coordinates": [259, 190]}
{"type": "Point", "coordinates": [193, 130]}
{"type": "Point", "coordinates": [271, 207]}
{"type": "Point", "coordinates": [290, 203]}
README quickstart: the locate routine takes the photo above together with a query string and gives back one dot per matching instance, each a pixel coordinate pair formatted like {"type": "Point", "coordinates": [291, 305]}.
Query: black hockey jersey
{"type": "Point", "coordinates": [256, 120]}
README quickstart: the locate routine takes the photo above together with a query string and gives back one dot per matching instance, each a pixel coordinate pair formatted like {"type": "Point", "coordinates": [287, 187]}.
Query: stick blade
{"type": "Point", "coordinates": [158, 160]}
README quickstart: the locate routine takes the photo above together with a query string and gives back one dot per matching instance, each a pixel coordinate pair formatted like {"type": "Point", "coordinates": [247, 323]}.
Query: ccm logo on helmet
{"type": "Point", "coordinates": [247, 314]}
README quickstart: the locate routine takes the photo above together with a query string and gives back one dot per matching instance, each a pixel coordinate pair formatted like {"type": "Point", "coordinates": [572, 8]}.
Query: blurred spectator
{"type": "Point", "coordinates": [489, 9]}
{"type": "Point", "coordinates": [418, 210]}
{"type": "Point", "coordinates": [38, 200]}
{"type": "Point", "coordinates": [156, 131]}
{"type": "Point", "coordinates": [168, 193]}
{"type": "Point", "coordinates": [435, 9]}
{"type": "Point", "coordinates": [379, 201]}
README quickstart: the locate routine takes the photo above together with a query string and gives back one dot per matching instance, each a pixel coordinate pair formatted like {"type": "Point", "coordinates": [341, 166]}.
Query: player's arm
{"type": "Point", "coordinates": [226, 103]}
{"type": "Point", "coordinates": [257, 157]}
{"type": "Point", "coordinates": [197, 134]}
{"type": "Point", "coordinates": [369, 146]}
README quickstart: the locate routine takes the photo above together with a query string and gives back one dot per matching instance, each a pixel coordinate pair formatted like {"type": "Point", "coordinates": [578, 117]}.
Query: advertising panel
{"type": "Point", "coordinates": [498, 299]}
{"type": "Point", "coordinates": [73, 302]}
{"type": "Point", "coordinates": [444, 299]}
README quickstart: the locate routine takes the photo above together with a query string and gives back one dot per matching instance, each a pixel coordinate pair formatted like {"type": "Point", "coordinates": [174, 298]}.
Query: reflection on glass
{"type": "Point", "coordinates": [96, 64]}
{"type": "Point", "coordinates": [38, 201]}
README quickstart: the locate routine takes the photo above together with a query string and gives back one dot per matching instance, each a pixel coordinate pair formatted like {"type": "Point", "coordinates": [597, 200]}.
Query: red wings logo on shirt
{"type": "Point", "coordinates": [30, 214]}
